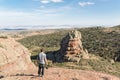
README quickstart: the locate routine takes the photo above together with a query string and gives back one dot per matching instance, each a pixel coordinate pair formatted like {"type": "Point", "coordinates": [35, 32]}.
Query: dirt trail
{"type": "Point", "coordinates": [61, 74]}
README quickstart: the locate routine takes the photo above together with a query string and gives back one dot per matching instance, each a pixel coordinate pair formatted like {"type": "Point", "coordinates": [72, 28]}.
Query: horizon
{"type": "Point", "coordinates": [45, 27]}
{"type": "Point", "coordinates": [59, 12]}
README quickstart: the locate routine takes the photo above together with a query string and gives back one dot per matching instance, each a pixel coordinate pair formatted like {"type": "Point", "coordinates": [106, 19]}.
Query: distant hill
{"type": "Point", "coordinates": [118, 26]}
{"type": "Point", "coordinates": [13, 29]}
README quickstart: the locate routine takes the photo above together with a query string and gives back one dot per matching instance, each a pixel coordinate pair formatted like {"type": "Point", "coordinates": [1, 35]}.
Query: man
{"type": "Point", "coordinates": [42, 61]}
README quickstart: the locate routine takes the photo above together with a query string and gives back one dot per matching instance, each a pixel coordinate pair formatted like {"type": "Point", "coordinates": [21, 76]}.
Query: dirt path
{"type": "Point", "coordinates": [61, 74]}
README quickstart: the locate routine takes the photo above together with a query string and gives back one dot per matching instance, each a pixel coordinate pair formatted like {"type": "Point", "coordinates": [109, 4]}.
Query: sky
{"type": "Point", "coordinates": [59, 12]}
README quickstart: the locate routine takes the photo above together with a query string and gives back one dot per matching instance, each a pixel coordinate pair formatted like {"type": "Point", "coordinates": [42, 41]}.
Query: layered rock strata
{"type": "Point", "coordinates": [71, 48]}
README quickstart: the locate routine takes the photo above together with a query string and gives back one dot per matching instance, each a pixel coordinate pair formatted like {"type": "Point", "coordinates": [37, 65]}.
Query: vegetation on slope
{"type": "Point", "coordinates": [95, 40]}
{"type": "Point", "coordinates": [103, 42]}
{"type": "Point", "coordinates": [101, 65]}
{"type": "Point", "coordinates": [49, 42]}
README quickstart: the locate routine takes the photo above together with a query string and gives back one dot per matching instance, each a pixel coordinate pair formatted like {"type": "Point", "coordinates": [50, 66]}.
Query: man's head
{"type": "Point", "coordinates": [42, 50]}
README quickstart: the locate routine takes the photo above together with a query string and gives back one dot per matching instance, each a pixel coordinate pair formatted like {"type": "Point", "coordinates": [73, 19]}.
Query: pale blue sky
{"type": "Point", "coordinates": [59, 12]}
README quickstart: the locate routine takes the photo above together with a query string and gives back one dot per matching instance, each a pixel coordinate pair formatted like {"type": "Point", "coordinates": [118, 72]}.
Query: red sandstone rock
{"type": "Point", "coordinates": [71, 46]}
{"type": "Point", "coordinates": [13, 56]}
{"type": "Point", "coordinates": [71, 43]}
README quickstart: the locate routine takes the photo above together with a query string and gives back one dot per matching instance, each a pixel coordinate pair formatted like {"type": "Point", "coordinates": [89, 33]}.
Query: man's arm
{"type": "Point", "coordinates": [46, 63]}
{"type": "Point", "coordinates": [46, 60]}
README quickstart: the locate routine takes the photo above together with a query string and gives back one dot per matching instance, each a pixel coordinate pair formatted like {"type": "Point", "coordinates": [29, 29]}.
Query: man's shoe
{"type": "Point", "coordinates": [38, 75]}
{"type": "Point", "coordinates": [41, 75]}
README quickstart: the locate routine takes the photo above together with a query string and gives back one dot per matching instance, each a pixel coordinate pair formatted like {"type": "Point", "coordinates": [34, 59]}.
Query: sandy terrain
{"type": "Point", "coordinates": [61, 74]}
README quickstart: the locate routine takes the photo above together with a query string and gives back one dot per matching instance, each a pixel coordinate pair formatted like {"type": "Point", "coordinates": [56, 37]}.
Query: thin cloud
{"type": "Point", "coordinates": [48, 1]}
{"type": "Point", "coordinates": [23, 18]}
{"type": "Point", "coordinates": [57, 0]}
{"type": "Point", "coordinates": [82, 4]}
{"type": "Point", "coordinates": [45, 10]}
{"type": "Point", "coordinates": [45, 1]}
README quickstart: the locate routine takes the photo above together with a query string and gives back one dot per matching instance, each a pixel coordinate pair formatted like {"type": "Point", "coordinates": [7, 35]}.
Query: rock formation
{"type": "Point", "coordinates": [71, 43]}
{"type": "Point", "coordinates": [71, 48]}
{"type": "Point", "coordinates": [13, 56]}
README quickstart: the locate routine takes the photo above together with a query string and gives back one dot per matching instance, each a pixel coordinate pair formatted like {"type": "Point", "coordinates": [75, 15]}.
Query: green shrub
{"type": "Point", "coordinates": [1, 46]}
{"type": "Point", "coordinates": [5, 37]}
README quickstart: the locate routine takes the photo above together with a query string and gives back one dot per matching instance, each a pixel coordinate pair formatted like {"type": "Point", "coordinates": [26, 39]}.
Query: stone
{"type": "Point", "coordinates": [71, 48]}
{"type": "Point", "coordinates": [14, 56]}
{"type": "Point", "coordinates": [71, 43]}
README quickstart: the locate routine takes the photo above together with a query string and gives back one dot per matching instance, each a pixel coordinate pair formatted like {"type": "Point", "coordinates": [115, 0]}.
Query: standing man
{"type": "Point", "coordinates": [42, 61]}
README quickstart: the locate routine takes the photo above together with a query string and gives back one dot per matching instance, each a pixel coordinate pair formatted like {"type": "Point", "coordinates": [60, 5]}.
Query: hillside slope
{"type": "Point", "coordinates": [97, 40]}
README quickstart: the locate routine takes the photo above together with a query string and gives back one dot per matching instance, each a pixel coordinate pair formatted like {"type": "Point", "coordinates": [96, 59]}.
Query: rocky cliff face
{"type": "Point", "coordinates": [71, 43]}
{"type": "Point", "coordinates": [71, 48]}
{"type": "Point", "coordinates": [13, 56]}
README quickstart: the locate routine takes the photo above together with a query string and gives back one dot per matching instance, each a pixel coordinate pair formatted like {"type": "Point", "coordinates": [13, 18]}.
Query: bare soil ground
{"type": "Point", "coordinates": [61, 74]}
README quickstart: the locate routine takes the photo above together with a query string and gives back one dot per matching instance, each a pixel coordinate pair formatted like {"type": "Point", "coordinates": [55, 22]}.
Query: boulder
{"type": "Point", "coordinates": [71, 48]}
{"type": "Point", "coordinates": [71, 43]}
{"type": "Point", "coordinates": [13, 56]}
